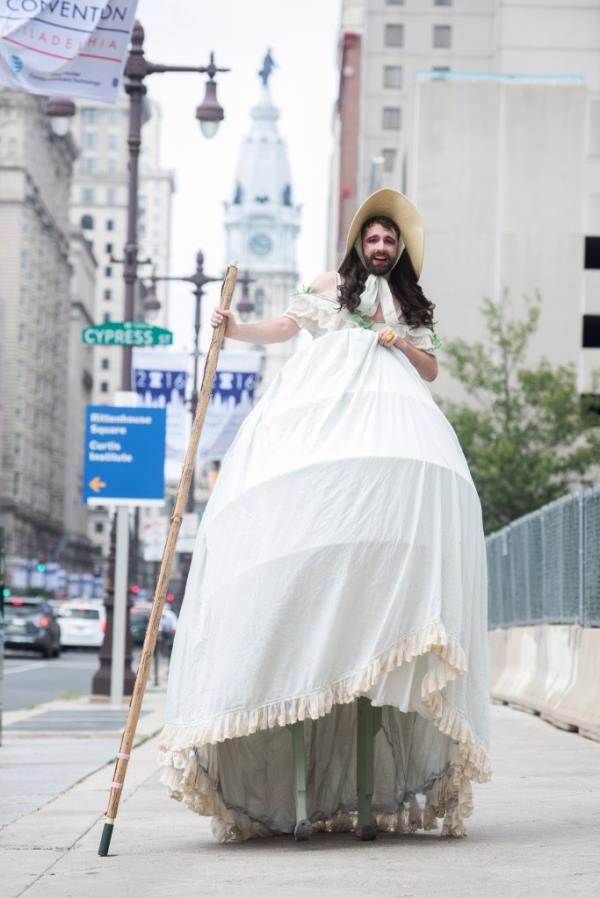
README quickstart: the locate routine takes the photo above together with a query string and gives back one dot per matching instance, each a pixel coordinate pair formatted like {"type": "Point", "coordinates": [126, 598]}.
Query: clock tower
{"type": "Point", "coordinates": [262, 222]}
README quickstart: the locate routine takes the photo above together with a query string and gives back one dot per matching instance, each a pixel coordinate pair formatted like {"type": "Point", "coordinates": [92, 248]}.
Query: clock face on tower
{"type": "Point", "coordinates": [260, 244]}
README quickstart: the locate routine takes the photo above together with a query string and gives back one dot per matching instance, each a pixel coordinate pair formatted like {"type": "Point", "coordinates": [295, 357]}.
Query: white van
{"type": "Point", "coordinates": [82, 623]}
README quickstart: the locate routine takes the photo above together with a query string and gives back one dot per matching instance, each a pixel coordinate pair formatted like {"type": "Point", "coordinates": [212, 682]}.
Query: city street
{"type": "Point", "coordinates": [30, 680]}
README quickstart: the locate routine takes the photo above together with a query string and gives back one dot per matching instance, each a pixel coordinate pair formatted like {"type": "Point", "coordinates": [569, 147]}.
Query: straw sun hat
{"type": "Point", "coordinates": [396, 206]}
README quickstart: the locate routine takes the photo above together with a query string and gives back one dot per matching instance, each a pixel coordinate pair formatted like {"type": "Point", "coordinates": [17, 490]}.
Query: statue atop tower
{"type": "Point", "coordinates": [267, 69]}
{"type": "Point", "coordinates": [262, 217]}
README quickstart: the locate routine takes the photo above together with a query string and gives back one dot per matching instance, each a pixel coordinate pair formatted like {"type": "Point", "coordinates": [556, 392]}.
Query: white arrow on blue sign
{"type": "Point", "coordinates": [124, 456]}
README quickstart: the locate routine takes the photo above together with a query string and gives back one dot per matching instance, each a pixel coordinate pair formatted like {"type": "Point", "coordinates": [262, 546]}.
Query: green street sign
{"type": "Point", "coordinates": [126, 333]}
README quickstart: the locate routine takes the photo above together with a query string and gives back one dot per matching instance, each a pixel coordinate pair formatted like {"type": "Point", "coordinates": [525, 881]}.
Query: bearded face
{"type": "Point", "coordinates": [380, 248]}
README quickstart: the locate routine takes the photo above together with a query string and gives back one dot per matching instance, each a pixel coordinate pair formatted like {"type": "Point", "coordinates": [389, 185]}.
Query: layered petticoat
{"type": "Point", "coordinates": [341, 555]}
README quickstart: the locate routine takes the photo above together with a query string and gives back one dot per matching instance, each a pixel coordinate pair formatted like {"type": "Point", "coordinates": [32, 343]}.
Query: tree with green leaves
{"type": "Point", "coordinates": [525, 432]}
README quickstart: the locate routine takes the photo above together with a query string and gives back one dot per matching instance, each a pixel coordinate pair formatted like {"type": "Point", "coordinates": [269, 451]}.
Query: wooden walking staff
{"type": "Point", "coordinates": [143, 671]}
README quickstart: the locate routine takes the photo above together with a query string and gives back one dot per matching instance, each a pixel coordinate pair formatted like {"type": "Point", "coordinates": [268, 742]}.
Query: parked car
{"type": "Point", "coordinates": [139, 617]}
{"type": "Point", "coordinates": [82, 623]}
{"type": "Point", "coordinates": [138, 621]}
{"type": "Point", "coordinates": [31, 624]}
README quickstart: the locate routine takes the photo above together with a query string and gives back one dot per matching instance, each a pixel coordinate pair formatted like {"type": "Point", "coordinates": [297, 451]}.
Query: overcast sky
{"type": "Point", "coordinates": [304, 86]}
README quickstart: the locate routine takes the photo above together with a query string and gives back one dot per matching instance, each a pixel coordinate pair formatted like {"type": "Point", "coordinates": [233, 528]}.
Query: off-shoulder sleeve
{"type": "Point", "coordinates": [423, 337]}
{"type": "Point", "coordinates": [316, 313]}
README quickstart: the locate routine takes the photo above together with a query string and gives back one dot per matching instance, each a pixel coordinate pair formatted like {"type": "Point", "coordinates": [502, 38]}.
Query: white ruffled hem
{"type": "Point", "coordinates": [450, 796]}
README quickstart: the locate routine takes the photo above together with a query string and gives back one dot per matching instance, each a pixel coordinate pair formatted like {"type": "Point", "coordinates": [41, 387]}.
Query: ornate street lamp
{"type": "Point", "coordinates": [60, 110]}
{"type": "Point", "coordinates": [150, 303]}
{"type": "Point", "coordinates": [245, 306]}
{"type": "Point", "coordinates": [210, 113]}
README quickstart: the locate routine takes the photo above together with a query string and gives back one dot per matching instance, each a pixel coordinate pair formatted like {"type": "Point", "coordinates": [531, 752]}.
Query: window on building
{"type": "Point", "coordinates": [107, 317]}
{"type": "Point", "coordinates": [108, 294]}
{"type": "Point", "coordinates": [590, 407]}
{"type": "Point", "coordinates": [394, 2]}
{"type": "Point", "coordinates": [108, 271]}
{"type": "Point", "coordinates": [442, 2]}
{"type": "Point", "coordinates": [87, 196]}
{"type": "Point", "coordinates": [104, 386]}
{"type": "Point", "coordinates": [105, 364]}
{"type": "Point", "coordinates": [592, 252]}
{"type": "Point", "coordinates": [88, 115]}
{"type": "Point", "coordinates": [392, 76]}
{"type": "Point", "coordinates": [111, 196]}
{"type": "Point", "coordinates": [88, 140]}
{"type": "Point", "coordinates": [109, 249]}
{"type": "Point", "coordinates": [591, 332]}
{"type": "Point", "coordinates": [99, 525]}
{"type": "Point", "coordinates": [389, 159]}
{"type": "Point", "coordinates": [259, 302]}
{"type": "Point", "coordinates": [87, 222]}
{"type": "Point", "coordinates": [111, 167]}
{"type": "Point", "coordinates": [110, 225]}
{"type": "Point", "coordinates": [442, 36]}
{"type": "Point", "coordinates": [88, 165]}
{"type": "Point", "coordinates": [113, 141]}
{"type": "Point", "coordinates": [394, 36]}
{"type": "Point", "coordinates": [392, 118]}
{"type": "Point", "coordinates": [440, 68]}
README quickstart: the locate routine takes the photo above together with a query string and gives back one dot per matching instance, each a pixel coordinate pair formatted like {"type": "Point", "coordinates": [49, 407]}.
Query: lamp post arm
{"type": "Point", "coordinates": [191, 279]}
{"type": "Point", "coordinates": [152, 68]}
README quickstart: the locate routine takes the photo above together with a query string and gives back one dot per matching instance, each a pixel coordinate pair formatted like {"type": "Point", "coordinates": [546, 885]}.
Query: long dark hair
{"type": "Point", "coordinates": [416, 308]}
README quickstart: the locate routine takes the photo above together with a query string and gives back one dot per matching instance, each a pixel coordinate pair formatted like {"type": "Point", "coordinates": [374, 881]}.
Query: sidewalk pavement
{"type": "Point", "coordinates": [47, 749]}
{"type": "Point", "coordinates": [535, 831]}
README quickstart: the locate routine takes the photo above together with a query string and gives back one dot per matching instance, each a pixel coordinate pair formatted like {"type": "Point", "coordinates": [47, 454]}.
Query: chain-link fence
{"type": "Point", "coordinates": [544, 568]}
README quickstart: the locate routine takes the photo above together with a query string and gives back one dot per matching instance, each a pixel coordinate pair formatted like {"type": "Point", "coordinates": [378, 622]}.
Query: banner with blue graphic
{"type": "Point", "coordinates": [73, 49]}
{"type": "Point", "coordinates": [160, 378]}
{"type": "Point", "coordinates": [231, 399]}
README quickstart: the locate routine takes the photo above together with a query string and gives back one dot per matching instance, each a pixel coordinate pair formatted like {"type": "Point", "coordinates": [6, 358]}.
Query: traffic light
{"type": "Point", "coordinates": [41, 567]}
{"type": "Point", "coordinates": [134, 589]}
{"type": "Point", "coordinates": [170, 597]}
{"type": "Point", "coordinates": [6, 592]}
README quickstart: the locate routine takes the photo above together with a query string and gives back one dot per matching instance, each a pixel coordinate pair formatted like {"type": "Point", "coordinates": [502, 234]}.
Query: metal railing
{"type": "Point", "coordinates": [544, 568]}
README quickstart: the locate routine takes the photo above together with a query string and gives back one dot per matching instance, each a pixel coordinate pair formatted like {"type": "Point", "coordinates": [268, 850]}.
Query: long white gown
{"type": "Point", "coordinates": [341, 554]}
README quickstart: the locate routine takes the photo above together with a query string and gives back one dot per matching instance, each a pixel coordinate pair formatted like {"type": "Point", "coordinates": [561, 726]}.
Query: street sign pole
{"type": "Point", "coordinates": [117, 673]}
{"type": "Point", "coordinates": [124, 467]}
{"type": "Point", "coordinates": [126, 334]}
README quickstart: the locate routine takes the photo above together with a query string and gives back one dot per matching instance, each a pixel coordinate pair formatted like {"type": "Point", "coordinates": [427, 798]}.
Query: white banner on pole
{"type": "Point", "coordinates": [231, 399]}
{"type": "Point", "coordinates": [65, 47]}
{"type": "Point", "coordinates": [154, 536]}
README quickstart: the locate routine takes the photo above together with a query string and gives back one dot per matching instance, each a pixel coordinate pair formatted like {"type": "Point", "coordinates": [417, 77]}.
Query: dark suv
{"type": "Point", "coordinates": [31, 624]}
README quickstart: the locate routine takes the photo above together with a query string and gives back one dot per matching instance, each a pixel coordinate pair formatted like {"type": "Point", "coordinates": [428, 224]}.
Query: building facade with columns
{"type": "Point", "coordinates": [35, 307]}
{"type": "Point", "coordinates": [262, 222]}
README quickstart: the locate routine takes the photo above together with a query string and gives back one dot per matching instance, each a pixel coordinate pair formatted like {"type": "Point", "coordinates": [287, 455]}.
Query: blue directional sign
{"type": "Point", "coordinates": [124, 455]}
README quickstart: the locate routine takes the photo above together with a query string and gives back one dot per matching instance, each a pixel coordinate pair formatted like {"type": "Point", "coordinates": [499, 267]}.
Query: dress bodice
{"type": "Point", "coordinates": [319, 314]}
